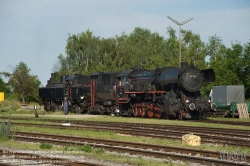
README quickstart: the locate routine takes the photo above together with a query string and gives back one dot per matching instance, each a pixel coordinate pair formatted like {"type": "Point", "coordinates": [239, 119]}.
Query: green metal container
{"type": "Point", "coordinates": [248, 107]}
{"type": "Point", "coordinates": [226, 110]}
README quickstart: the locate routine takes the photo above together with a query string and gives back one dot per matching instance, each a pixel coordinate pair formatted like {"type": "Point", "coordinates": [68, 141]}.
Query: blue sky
{"type": "Point", "coordinates": [35, 31]}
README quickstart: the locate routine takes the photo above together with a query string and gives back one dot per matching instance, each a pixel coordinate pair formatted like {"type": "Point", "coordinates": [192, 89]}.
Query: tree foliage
{"type": "Point", "coordinates": [231, 65]}
{"type": "Point", "coordinates": [3, 87]}
{"type": "Point", "coordinates": [86, 54]}
{"type": "Point", "coordinates": [23, 83]}
{"type": "Point", "coordinates": [194, 49]}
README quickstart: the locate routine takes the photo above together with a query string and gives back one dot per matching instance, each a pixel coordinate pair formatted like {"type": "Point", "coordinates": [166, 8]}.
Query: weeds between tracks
{"type": "Point", "coordinates": [5, 130]}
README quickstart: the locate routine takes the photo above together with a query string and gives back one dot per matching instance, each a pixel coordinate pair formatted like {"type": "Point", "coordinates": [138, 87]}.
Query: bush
{"type": "Point", "coordinates": [86, 148]}
{"type": "Point", "coordinates": [9, 106]}
{"type": "Point", "coordinates": [99, 151]}
{"type": "Point", "coordinates": [45, 145]}
{"type": "Point", "coordinates": [5, 130]}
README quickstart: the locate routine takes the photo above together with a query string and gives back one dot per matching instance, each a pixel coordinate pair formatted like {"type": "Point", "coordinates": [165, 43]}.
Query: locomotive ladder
{"type": "Point", "coordinates": [242, 110]}
{"type": "Point", "coordinates": [92, 92]}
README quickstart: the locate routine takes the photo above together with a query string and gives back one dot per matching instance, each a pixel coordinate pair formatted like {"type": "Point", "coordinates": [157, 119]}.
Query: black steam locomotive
{"type": "Point", "coordinates": [86, 94]}
{"type": "Point", "coordinates": [167, 92]}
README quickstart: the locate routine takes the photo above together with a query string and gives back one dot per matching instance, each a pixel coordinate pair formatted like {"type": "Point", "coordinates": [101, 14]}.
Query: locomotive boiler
{"type": "Point", "coordinates": [168, 92]}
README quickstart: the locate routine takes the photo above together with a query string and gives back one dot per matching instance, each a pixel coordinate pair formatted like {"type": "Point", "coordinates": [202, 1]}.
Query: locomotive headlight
{"type": "Point", "coordinates": [117, 110]}
{"type": "Point", "coordinates": [187, 101]}
{"type": "Point", "coordinates": [191, 106]}
{"type": "Point", "coordinates": [209, 101]}
{"type": "Point", "coordinates": [82, 97]}
{"type": "Point", "coordinates": [213, 106]}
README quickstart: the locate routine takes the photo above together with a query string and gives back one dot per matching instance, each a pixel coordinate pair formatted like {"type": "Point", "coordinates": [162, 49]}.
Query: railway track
{"type": "Point", "coordinates": [164, 152]}
{"type": "Point", "coordinates": [218, 136]}
{"type": "Point", "coordinates": [227, 122]}
{"type": "Point", "coordinates": [21, 158]}
{"type": "Point", "coordinates": [80, 121]}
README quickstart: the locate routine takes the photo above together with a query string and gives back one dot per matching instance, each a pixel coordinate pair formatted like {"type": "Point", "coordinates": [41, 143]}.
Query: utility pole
{"type": "Point", "coordinates": [180, 24]}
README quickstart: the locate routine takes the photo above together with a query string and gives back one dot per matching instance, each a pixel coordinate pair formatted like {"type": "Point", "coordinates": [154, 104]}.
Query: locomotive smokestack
{"type": "Point", "coordinates": [184, 65]}
{"type": "Point", "coordinates": [53, 77]}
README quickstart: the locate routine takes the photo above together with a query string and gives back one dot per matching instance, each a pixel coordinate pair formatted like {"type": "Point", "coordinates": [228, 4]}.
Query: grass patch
{"type": "Point", "coordinates": [230, 119]}
{"type": "Point", "coordinates": [86, 148]}
{"type": "Point", "coordinates": [101, 154]}
{"type": "Point", "coordinates": [98, 154]}
{"type": "Point", "coordinates": [140, 120]}
{"type": "Point", "coordinates": [9, 106]}
{"type": "Point", "coordinates": [5, 130]}
{"type": "Point", "coordinates": [135, 120]}
{"type": "Point", "coordinates": [45, 145]}
{"type": "Point", "coordinates": [114, 136]}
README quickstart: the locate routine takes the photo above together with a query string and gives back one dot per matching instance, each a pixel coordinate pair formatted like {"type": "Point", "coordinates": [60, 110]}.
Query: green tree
{"type": "Point", "coordinates": [64, 69]}
{"type": "Point", "coordinates": [194, 49]}
{"type": "Point", "coordinates": [107, 54]}
{"type": "Point", "coordinates": [122, 59]}
{"type": "Point", "coordinates": [216, 54]}
{"type": "Point", "coordinates": [139, 49]}
{"type": "Point", "coordinates": [3, 87]}
{"type": "Point", "coordinates": [230, 65]}
{"type": "Point", "coordinates": [214, 47]}
{"type": "Point", "coordinates": [23, 83]}
{"type": "Point", "coordinates": [171, 48]}
{"type": "Point", "coordinates": [246, 69]}
{"type": "Point", "coordinates": [86, 54]}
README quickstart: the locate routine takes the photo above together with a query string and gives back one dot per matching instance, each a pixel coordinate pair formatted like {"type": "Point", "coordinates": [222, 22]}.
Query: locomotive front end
{"type": "Point", "coordinates": [182, 86]}
{"type": "Point", "coordinates": [191, 79]}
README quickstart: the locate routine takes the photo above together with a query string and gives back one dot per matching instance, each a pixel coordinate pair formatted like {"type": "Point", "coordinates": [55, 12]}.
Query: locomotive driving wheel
{"type": "Point", "coordinates": [158, 113]}
{"type": "Point", "coordinates": [135, 111]}
{"type": "Point", "coordinates": [142, 110]}
{"type": "Point", "coordinates": [139, 111]}
{"type": "Point", "coordinates": [150, 111]}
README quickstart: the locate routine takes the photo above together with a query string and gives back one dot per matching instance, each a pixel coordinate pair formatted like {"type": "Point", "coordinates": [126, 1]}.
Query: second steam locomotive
{"type": "Point", "coordinates": [167, 92]}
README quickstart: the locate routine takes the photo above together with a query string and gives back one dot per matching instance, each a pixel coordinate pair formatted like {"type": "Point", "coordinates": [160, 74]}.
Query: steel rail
{"type": "Point", "coordinates": [169, 134]}
{"type": "Point", "coordinates": [128, 147]}
{"type": "Point", "coordinates": [43, 159]}
{"type": "Point", "coordinates": [80, 121]}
